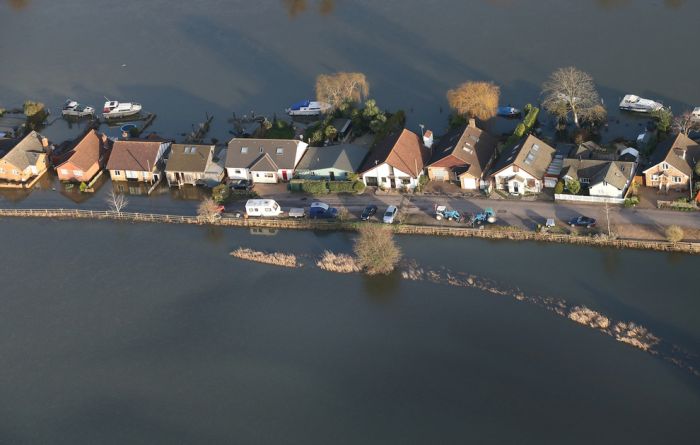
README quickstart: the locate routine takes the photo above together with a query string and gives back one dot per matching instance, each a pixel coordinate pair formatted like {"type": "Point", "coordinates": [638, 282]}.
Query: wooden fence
{"type": "Point", "coordinates": [404, 229]}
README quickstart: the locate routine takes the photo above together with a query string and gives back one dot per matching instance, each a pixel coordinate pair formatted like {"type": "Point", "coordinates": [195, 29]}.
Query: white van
{"type": "Point", "coordinates": [262, 207]}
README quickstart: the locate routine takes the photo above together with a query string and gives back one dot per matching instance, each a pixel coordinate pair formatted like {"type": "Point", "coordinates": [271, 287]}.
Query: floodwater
{"type": "Point", "coordinates": [186, 59]}
{"type": "Point", "coordinates": [153, 334]}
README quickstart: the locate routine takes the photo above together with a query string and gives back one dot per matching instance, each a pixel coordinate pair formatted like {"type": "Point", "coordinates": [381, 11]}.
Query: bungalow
{"type": "Point", "coordinates": [263, 160]}
{"type": "Point", "coordinates": [608, 179]}
{"type": "Point", "coordinates": [137, 160]}
{"type": "Point", "coordinates": [335, 162]}
{"type": "Point", "coordinates": [463, 155]}
{"type": "Point", "coordinates": [192, 165]}
{"type": "Point", "coordinates": [395, 162]}
{"type": "Point", "coordinates": [671, 165]}
{"type": "Point", "coordinates": [86, 159]}
{"type": "Point", "coordinates": [24, 160]}
{"type": "Point", "coordinates": [522, 167]}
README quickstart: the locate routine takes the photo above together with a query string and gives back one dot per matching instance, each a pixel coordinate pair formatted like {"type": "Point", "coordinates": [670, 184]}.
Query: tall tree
{"type": "Point", "coordinates": [475, 99]}
{"type": "Point", "coordinates": [570, 91]}
{"type": "Point", "coordinates": [376, 250]}
{"type": "Point", "coordinates": [341, 88]}
{"type": "Point", "coordinates": [116, 202]}
{"type": "Point", "coordinates": [686, 122]}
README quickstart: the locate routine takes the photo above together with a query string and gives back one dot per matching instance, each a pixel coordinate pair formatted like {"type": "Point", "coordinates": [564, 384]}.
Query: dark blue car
{"type": "Point", "coordinates": [320, 210]}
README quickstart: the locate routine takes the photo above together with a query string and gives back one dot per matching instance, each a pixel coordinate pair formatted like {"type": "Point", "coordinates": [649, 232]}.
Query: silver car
{"type": "Point", "coordinates": [390, 214]}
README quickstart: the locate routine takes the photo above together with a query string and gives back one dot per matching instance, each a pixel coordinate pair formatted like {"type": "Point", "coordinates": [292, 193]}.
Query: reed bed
{"type": "Point", "coordinates": [338, 262]}
{"type": "Point", "coordinates": [274, 258]}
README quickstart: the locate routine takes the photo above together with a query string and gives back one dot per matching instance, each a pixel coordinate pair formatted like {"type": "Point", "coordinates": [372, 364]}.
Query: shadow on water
{"type": "Point", "coordinates": [382, 289]}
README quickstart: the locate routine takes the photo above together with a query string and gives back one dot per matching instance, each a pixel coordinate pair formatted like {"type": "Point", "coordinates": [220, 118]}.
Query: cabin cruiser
{"type": "Point", "coordinates": [508, 111]}
{"type": "Point", "coordinates": [308, 108]}
{"type": "Point", "coordinates": [73, 109]}
{"type": "Point", "coordinates": [635, 103]}
{"type": "Point", "coordinates": [117, 110]}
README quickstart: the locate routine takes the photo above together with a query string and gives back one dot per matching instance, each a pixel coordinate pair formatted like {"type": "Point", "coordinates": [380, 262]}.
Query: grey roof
{"type": "Point", "coordinates": [345, 157]}
{"type": "Point", "coordinates": [530, 154]}
{"type": "Point", "coordinates": [245, 152]}
{"type": "Point", "coordinates": [615, 173]}
{"type": "Point", "coordinates": [264, 164]}
{"type": "Point", "coordinates": [26, 152]}
{"type": "Point", "coordinates": [189, 158]}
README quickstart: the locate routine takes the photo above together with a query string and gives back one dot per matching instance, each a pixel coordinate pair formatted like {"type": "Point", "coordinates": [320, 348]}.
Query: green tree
{"type": "Point", "coordinates": [559, 188]}
{"type": "Point", "coordinates": [697, 169]}
{"type": "Point", "coordinates": [573, 186]}
{"type": "Point", "coordinates": [221, 194]}
{"type": "Point", "coordinates": [664, 119]}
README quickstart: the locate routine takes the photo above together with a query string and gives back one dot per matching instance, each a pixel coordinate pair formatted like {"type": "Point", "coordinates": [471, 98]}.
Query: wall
{"type": "Point", "coordinates": [25, 175]}
{"type": "Point", "coordinates": [67, 172]}
{"type": "Point", "coordinates": [592, 199]}
{"type": "Point", "coordinates": [383, 173]}
{"type": "Point", "coordinates": [606, 191]}
{"type": "Point", "coordinates": [507, 173]}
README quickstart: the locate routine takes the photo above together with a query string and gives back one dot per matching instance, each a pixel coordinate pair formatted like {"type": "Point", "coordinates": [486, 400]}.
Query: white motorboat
{"type": "Point", "coordinates": [637, 104]}
{"type": "Point", "coordinates": [308, 108]}
{"type": "Point", "coordinates": [74, 109]}
{"type": "Point", "coordinates": [695, 114]}
{"type": "Point", "coordinates": [118, 110]}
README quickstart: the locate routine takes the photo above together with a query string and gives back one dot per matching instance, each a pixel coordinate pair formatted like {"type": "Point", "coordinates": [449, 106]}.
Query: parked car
{"type": "Point", "coordinates": [368, 212]}
{"type": "Point", "coordinates": [321, 210]}
{"type": "Point", "coordinates": [390, 214]}
{"type": "Point", "coordinates": [582, 221]}
{"type": "Point", "coordinates": [241, 184]}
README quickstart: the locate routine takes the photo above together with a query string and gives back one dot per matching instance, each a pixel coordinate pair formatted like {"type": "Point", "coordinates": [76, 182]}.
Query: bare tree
{"type": "Point", "coordinates": [686, 122]}
{"type": "Point", "coordinates": [340, 88]}
{"type": "Point", "coordinates": [376, 250]}
{"type": "Point", "coordinates": [475, 99]}
{"type": "Point", "coordinates": [209, 210]}
{"type": "Point", "coordinates": [116, 201]}
{"type": "Point", "coordinates": [571, 91]}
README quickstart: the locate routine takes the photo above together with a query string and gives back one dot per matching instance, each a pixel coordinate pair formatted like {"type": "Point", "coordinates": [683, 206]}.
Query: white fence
{"type": "Point", "coordinates": [591, 199]}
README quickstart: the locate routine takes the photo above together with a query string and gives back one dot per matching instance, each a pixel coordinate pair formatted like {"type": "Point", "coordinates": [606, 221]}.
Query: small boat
{"type": "Point", "coordinates": [308, 108]}
{"type": "Point", "coordinates": [508, 111]}
{"type": "Point", "coordinates": [118, 110]}
{"type": "Point", "coordinates": [73, 109]}
{"type": "Point", "coordinates": [695, 114]}
{"type": "Point", "coordinates": [637, 104]}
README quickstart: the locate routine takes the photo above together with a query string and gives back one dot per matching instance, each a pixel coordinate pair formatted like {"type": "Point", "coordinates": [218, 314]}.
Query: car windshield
{"type": "Point", "coordinates": [389, 213]}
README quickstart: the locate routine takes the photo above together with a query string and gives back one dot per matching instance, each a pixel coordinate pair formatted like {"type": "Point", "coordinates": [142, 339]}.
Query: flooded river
{"type": "Point", "coordinates": [221, 56]}
{"type": "Point", "coordinates": [153, 334]}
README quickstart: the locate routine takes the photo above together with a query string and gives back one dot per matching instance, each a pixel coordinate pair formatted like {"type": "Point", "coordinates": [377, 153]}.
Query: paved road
{"type": "Point", "coordinates": [511, 212]}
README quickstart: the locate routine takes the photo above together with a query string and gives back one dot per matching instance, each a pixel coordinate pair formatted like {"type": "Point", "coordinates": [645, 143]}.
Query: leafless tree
{"type": "Point", "coordinates": [376, 250]}
{"type": "Point", "coordinates": [340, 88]}
{"type": "Point", "coordinates": [686, 122]}
{"type": "Point", "coordinates": [475, 99]}
{"type": "Point", "coordinates": [116, 201]}
{"type": "Point", "coordinates": [209, 210]}
{"type": "Point", "coordinates": [571, 91]}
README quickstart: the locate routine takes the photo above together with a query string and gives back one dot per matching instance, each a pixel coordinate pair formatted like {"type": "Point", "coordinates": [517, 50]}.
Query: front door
{"type": "Point", "coordinates": [284, 175]}
{"type": "Point", "coordinates": [516, 187]}
{"type": "Point", "coordinates": [332, 176]}
{"type": "Point", "coordinates": [392, 181]}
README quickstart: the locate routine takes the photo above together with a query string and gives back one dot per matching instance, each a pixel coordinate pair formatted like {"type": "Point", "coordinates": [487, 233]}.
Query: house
{"type": "Point", "coordinates": [137, 160]}
{"type": "Point", "coordinates": [396, 162]}
{"type": "Point", "coordinates": [24, 160]}
{"type": "Point", "coordinates": [263, 160]}
{"type": "Point", "coordinates": [671, 166]}
{"type": "Point", "coordinates": [86, 159]}
{"type": "Point", "coordinates": [521, 168]}
{"type": "Point", "coordinates": [343, 128]}
{"type": "Point", "coordinates": [193, 164]}
{"type": "Point", "coordinates": [462, 155]}
{"type": "Point", "coordinates": [608, 179]}
{"type": "Point", "coordinates": [333, 163]}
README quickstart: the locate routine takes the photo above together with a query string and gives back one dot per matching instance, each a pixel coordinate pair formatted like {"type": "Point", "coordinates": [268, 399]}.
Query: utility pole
{"type": "Point", "coordinates": [607, 216]}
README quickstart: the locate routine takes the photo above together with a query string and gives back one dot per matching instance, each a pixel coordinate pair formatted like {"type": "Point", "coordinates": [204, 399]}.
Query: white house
{"type": "Point", "coordinates": [607, 179]}
{"type": "Point", "coordinates": [522, 167]}
{"type": "Point", "coordinates": [396, 162]}
{"type": "Point", "coordinates": [263, 160]}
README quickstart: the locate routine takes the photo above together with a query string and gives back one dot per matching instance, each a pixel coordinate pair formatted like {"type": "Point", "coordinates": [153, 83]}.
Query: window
{"type": "Point", "coordinates": [405, 181]}
{"type": "Point", "coordinates": [261, 149]}
{"type": "Point", "coordinates": [269, 175]}
{"type": "Point", "coordinates": [677, 179]}
{"type": "Point", "coordinates": [654, 177]}
{"type": "Point", "coordinates": [664, 166]}
{"type": "Point", "coordinates": [77, 173]}
{"type": "Point", "coordinates": [585, 181]}
{"type": "Point", "coordinates": [244, 150]}
{"type": "Point", "coordinates": [280, 151]}
{"type": "Point", "coordinates": [257, 175]}
{"type": "Point", "coordinates": [516, 169]}
{"type": "Point", "coordinates": [237, 171]}
{"type": "Point", "coordinates": [117, 173]}
{"type": "Point", "coordinates": [64, 171]}
{"type": "Point", "coordinates": [385, 180]}
{"type": "Point", "coordinates": [15, 172]}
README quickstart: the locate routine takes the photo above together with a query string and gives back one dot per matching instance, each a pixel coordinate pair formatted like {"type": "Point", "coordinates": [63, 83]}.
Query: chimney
{"type": "Point", "coordinates": [428, 139]}
{"type": "Point", "coordinates": [472, 122]}
{"type": "Point", "coordinates": [45, 142]}
{"type": "Point", "coordinates": [683, 153]}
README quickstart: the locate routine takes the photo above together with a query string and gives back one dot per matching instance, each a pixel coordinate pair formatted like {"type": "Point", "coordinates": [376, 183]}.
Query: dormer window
{"type": "Point", "coordinates": [261, 149]}
{"type": "Point", "coordinates": [244, 150]}
{"type": "Point", "coordinates": [280, 151]}
{"type": "Point", "coordinates": [664, 166]}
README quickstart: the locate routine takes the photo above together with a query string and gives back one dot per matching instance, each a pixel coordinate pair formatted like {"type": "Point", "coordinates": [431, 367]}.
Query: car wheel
{"type": "Point", "coordinates": [438, 217]}
{"type": "Point", "coordinates": [589, 226]}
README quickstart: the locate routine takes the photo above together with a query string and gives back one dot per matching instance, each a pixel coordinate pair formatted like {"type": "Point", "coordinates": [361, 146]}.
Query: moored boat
{"type": "Point", "coordinates": [74, 109]}
{"type": "Point", "coordinates": [508, 111]}
{"type": "Point", "coordinates": [118, 110]}
{"type": "Point", "coordinates": [695, 114]}
{"type": "Point", "coordinates": [308, 108]}
{"type": "Point", "coordinates": [632, 102]}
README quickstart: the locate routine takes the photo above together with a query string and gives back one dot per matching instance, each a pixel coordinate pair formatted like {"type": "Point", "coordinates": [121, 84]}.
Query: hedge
{"type": "Point", "coordinates": [314, 187]}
